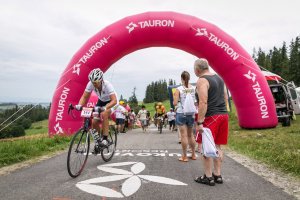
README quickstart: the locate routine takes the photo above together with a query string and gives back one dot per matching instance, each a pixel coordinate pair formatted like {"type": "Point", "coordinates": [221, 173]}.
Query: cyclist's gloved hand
{"type": "Point", "coordinates": [78, 107]}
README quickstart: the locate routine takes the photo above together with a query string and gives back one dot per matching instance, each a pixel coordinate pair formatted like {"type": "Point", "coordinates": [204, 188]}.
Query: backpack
{"type": "Point", "coordinates": [208, 145]}
{"type": "Point", "coordinates": [188, 105]}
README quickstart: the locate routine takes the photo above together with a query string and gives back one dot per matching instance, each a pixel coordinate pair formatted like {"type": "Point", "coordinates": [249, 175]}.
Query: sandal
{"type": "Point", "coordinates": [183, 159]}
{"type": "Point", "coordinates": [193, 157]}
{"type": "Point", "coordinates": [205, 180]}
{"type": "Point", "coordinates": [218, 179]}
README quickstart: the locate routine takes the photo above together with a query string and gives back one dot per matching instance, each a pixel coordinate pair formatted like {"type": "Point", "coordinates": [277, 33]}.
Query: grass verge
{"type": "Point", "coordinates": [278, 147]}
{"type": "Point", "coordinates": [38, 128]}
{"type": "Point", "coordinates": [20, 150]}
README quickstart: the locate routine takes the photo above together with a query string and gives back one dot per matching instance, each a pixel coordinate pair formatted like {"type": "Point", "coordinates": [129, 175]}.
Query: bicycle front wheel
{"type": "Point", "coordinates": [108, 152]}
{"type": "Point", "coordinates": [78, 152]}
{"type": "Point", "coordinates": [160, 127]}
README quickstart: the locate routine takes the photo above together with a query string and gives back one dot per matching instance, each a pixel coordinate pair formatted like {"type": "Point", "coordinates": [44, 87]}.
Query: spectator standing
{"type": "Point", "coordinates": [212, 113]}
{"type": "Point", "coordinates": [185, 121]}
{"type": "Point", "coordinates": [120, 116]}
{"type": "Point", "coordinates": [142, 115]}
{"type": "Point", "coordinates": [171, 119]}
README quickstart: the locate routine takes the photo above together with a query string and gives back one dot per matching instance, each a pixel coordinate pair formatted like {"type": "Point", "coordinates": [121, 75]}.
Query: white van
{"type": "Point", "coordinates": [295, 96]}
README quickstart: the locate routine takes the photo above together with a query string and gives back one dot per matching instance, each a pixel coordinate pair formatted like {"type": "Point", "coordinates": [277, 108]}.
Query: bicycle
{"type": "Point", "coordinates": [160, 121]}
{"type": "Point", "coordinates": [80, 143]}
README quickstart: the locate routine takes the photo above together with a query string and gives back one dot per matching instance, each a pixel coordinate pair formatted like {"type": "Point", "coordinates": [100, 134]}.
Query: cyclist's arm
{"type": "Point", "coordinates": [113, 101]}
{"type": "Point", "coordinates": [84, 98]}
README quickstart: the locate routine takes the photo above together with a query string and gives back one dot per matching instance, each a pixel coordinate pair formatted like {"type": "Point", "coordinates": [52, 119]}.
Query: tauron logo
{"type": "Point", "coordinates": [76, 68]}
{"type": "Point", "coordinates": [57, 128]}
{"type": "Point", "coordinates": [150, 23]}
{"type": "Point", "coordinates": [259, 95]}
{"type": "Point", "coordinates": [201, 32]}
{"type": "Point", "coordinates": [251, 76]}
{"type": "Point", "coordinates": [217, 41]}
{"type": "Point", "coordinates": [131, 27]}
{"type": "Point", "coordinates": [93, 49]}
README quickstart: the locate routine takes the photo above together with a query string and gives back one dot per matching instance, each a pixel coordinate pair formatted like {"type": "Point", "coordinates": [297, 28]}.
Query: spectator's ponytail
{"type": "Point", "coordinates": [185, 76]}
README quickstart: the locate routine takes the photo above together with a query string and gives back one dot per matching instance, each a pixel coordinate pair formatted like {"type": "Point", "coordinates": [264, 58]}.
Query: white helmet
{"type": "Point", "coordinates": [96, 75]}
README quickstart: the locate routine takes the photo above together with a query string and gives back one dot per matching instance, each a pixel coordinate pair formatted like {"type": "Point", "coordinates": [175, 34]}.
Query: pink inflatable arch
{"type": "Point", "coordinates": [249, 89]}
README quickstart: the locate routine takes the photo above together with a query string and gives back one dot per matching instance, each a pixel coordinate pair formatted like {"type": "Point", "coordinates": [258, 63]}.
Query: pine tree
{"type": "Point", "coordinates": [284, 61]}
{"type": "Point", "coordinates": [294, 66]}
{"type": "Point", "coordinates": [133, 102]}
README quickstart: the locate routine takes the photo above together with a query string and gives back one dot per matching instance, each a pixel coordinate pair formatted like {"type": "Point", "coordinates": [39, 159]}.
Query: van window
{"type": "Point", "coordinates": [293, 93]}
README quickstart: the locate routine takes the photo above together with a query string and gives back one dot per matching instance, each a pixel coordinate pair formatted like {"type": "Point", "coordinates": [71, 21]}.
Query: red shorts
{"type": "Point", "coordinates": [218, 124]}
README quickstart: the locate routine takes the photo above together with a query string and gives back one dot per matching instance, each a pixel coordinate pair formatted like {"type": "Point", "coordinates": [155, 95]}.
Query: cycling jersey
{"type": "Point", "coordinates": [160, 110]}
{"type": "Point", "coordinates": [107, 90]}
{"type": "Point", "coordinates": [120, 112]}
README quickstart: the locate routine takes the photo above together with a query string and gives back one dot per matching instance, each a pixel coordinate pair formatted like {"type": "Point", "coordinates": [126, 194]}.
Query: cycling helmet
{"type": "Point", "coordinates": [159, 104]}
{"type": "Point", "coordinates": [96, 75]}
{"type": "Point", "coordinates": [121, 102]}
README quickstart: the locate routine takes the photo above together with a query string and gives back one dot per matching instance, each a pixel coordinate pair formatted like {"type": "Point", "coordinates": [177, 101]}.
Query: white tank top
{"type": "Point", "coordinates": [182, 95]}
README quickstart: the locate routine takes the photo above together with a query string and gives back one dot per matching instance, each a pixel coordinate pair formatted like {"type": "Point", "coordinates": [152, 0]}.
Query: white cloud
{"type": "Point", "coordinates": [39, 38]}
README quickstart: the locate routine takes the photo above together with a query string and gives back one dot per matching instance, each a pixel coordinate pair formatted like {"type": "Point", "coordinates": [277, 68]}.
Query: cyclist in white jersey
{"type": "Point", "coordinates": [107, 99]}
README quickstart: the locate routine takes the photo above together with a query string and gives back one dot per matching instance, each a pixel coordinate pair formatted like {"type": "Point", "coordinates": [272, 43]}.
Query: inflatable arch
{"type": "Point", "coordinates": [249, 89]}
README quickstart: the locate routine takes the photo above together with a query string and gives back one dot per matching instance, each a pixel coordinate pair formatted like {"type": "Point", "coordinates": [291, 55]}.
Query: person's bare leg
{"type": "Point", "coordinates": [207, 164]}
{"type": "Point", "coordinates": [218, 162]}
{"type": "Point", "coordinates": [95, 125]}
{"type": "Point", "coordinates": [191, 141]}
{"type": "Point", "coordinates": [179, 134]}
{"type": "Point", "coordinates": [105, 123]}
{"type": "Point", "coordinates": [184, 139]}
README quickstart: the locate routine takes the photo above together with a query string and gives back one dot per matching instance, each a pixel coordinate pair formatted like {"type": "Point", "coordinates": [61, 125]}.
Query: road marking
{"type": "Point", "coordinates": [130, 186]}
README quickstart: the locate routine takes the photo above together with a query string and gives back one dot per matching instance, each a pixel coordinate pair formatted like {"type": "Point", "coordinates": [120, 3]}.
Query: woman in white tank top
{"type": "Point", "coordinates": [185, 122]}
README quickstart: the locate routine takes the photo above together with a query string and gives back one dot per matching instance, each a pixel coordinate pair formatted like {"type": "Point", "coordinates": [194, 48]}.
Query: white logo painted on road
{"type": "Point", "coordinates": [130, 186]}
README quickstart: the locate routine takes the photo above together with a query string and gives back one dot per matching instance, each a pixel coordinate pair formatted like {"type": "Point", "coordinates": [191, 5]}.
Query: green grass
{"type": "Point", "coordinates": [14, 151]}
{"type": "Point", "coordinates": [20, 150]}
{"type": "Point", "coordinates": [278, 147]}
{"type": "Point", "coordinates": [38, 128]}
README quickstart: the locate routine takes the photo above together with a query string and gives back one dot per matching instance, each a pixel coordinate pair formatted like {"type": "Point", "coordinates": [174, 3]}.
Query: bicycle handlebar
{"type": "Point", "coordinates": [95, 109]}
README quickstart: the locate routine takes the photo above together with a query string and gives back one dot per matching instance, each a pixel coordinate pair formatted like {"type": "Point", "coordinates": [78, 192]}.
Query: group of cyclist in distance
{"type": "Point", "coordinates": [107, 100]}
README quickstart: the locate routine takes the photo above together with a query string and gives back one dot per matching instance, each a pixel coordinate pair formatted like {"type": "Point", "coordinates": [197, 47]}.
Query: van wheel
{"type": "Point", "coordinates": [286, 121]}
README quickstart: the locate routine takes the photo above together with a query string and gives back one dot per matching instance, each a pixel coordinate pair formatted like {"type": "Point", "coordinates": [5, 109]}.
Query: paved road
{"type": "Point", "coordinates": [146, 166]}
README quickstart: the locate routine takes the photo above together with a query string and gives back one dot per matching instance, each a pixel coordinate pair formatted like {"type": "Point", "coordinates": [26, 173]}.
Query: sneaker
{"type": "Point", "coordinates": [103, 143]}
{"type": "Point", "coordinates": [96, 149]}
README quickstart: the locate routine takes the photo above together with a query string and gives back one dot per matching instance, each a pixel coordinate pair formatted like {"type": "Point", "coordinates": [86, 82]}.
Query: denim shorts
{"type": "Point", "coordinates": [182, 119]}
{"type": "Point", "coordinates": [120, 121]}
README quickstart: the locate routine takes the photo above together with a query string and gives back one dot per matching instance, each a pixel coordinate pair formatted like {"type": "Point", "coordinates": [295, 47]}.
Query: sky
{"type": "Point", "coordinates": [39, 38]}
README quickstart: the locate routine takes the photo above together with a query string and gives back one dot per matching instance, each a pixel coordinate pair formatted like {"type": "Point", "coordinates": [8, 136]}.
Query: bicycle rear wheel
{"type": "Point", "coordinates": [108, 152]}
{"type": "Point", "coordinates": [78, 153]}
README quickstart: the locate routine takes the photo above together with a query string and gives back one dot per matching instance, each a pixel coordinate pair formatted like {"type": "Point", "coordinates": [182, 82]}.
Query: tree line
{"type": "Point", "coordinates": [33, 113]}
{"type": "Point", "coordinates": [284, 60]}
{"type": "Point", "coordinates": [158, 91]}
